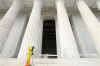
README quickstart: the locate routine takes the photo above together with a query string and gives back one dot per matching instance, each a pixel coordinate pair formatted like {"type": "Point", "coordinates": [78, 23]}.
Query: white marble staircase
{"type": "Point", "coordinates": [66, 62]}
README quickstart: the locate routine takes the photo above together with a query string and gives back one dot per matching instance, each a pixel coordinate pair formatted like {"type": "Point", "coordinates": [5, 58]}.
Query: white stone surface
{"type": "Point", "coordinates": [13, 42]}
{"type": "Point", "coordinates": [52, 62]}
{"type": "Point", "coordinates": [7, 21]}
{"type": "Point", "coordinates": [4, 4]}
{"type": "Point", "coordinates": [91, 22]}
{"type": "Point", "coordinates": [10, 62]}
{"type": "Point", "coordinates": [33, 34]}
{"type": "Point", "coordinates": [67, 47]}
{"type": "Point", "coordinates": [66, 62]}
{"type": "Point", "coordinates": [83, 38]}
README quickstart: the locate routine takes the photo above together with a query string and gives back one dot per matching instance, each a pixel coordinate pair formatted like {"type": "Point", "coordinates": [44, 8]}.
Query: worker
{"type": "Point", "coordinates": [29, 54]}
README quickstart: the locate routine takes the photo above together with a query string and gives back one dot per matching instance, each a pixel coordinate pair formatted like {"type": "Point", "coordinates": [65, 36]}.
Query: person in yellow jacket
{"type": "Point", "coordinates": [29, 54]}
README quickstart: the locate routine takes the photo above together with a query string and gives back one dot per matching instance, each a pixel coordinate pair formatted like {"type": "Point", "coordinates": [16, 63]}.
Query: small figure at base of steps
{"type": "Point", "coordinates": [29, 54]}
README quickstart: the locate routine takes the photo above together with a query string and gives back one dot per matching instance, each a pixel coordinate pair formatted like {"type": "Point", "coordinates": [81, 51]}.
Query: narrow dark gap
{"type": "Point", "coordinates": [49, 38]}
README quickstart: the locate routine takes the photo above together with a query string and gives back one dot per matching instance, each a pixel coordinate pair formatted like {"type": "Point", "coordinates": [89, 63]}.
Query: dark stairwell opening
{"type": "Point", "coordinates": [49, 39]}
